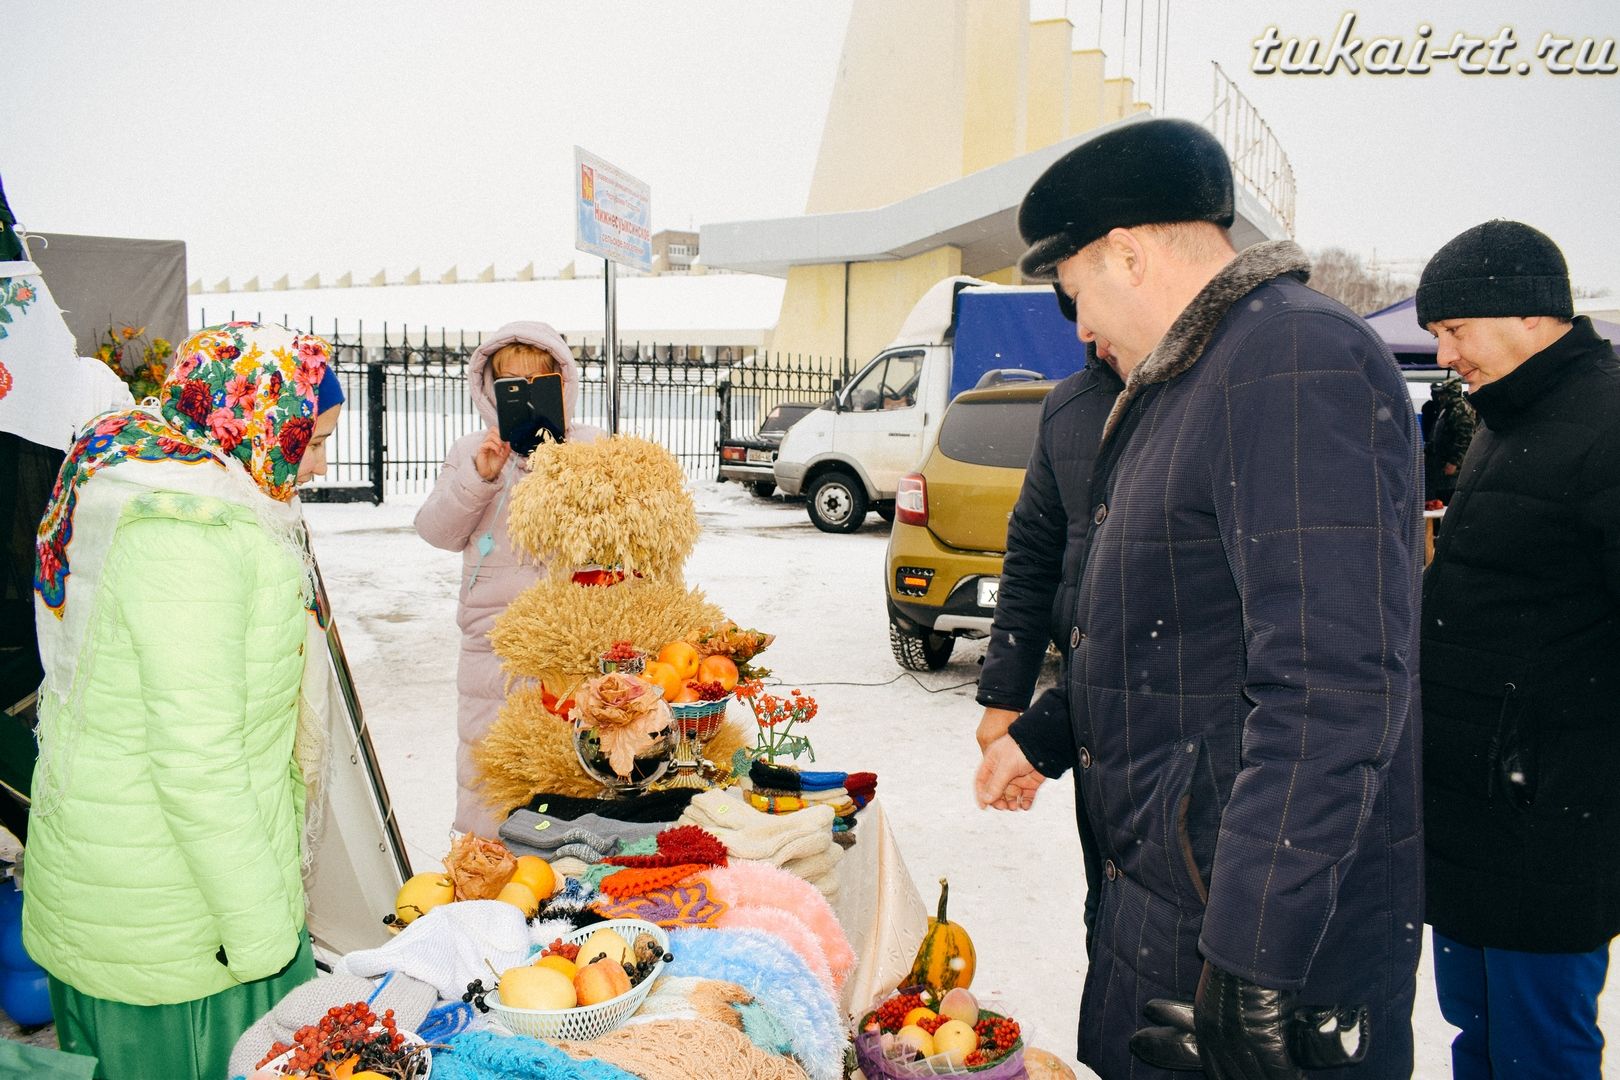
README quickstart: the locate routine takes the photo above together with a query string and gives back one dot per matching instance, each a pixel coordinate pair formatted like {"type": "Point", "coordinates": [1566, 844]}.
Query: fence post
{"type": "Point", "coordinates": [376, 404]}
{"type": "Point", "coordinates": [722, 413]}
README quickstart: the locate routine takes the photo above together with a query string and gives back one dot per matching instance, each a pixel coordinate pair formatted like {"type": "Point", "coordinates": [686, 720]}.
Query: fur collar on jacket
{"type": "Point", "coordinates": [1184, 343]}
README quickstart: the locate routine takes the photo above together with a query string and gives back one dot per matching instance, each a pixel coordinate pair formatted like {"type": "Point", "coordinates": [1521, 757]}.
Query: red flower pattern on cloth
{"type": "Point", "coordinates": [5, 381]}
{"type": "Point", "coordinates": [230, 394]}
{"type": "Point", "coordinates": [678, 845]}
{"type": "Point", "coordinates": [676, 905]}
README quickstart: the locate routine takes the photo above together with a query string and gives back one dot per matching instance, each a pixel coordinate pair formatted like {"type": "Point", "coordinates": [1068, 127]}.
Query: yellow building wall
{"type": "Point", "coordinates": [882, 294]}
{"type": "Point", "coordinates": [812, 318]}
{"type": "Point", "coordinates": [1049, 52]}
{"type": "Point", "coordinates": [1086, 90]}
{"type": "Point", "coordinates": [895, 123]}
{"type": "Point", "coordinates": [1119, 99]}
{"type": "Point", "coordinates": [995, 82]}
{"type": "Point", "coordinates": [1007, 275]}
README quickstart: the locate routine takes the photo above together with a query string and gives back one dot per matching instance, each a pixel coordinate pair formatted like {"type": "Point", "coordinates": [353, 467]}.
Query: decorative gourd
{"type": "Point", "coordinates": [945, 958]}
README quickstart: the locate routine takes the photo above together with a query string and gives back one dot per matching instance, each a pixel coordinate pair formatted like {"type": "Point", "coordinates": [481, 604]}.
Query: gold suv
{"type": "Point", "coordinates": [950, 522]}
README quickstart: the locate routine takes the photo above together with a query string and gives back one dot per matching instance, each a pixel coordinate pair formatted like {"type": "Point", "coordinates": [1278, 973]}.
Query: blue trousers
{"type": "Point", "coordinates": [1524, 1016]}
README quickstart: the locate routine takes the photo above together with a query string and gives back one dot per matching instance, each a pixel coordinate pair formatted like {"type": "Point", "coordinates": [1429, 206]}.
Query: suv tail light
{"type": "Point", "coordinates": [911, 500]}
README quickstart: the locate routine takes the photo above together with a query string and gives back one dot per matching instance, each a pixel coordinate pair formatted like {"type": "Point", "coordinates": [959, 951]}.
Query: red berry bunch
{"type": "Point", "coordinates": [559, 947]}
{"type": "Point", "coordinates": [346, 1031]}
{"type": "Point", "coordinates": [932, 1024]}
{"type": "Point", "coordinates": [892, 1013]}
{"type": "Point", "coordinates": [622, 650]}
{"type": "Point", "coordinates": [709, 691]}
{"type": "Point", "coordinates": [997, 1035]}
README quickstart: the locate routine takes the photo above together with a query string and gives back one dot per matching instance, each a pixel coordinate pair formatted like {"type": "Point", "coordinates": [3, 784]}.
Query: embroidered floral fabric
{"type": "Point", "coordinates": [240, 390]}
{"type": "Point", "coordinates": [671, 906]}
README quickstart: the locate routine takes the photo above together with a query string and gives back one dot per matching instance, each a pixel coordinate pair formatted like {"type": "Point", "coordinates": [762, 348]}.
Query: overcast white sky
{"type": "Point", "coordinates": [307, 136]}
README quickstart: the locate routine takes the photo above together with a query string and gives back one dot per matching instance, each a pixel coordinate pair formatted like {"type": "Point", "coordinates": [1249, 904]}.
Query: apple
{"type": "Point", "coordinates": [599, 981]}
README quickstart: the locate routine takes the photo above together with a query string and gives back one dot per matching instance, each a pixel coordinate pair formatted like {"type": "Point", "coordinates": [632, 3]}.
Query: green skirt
{"type": "Point", "coordinates": [189, 1041]}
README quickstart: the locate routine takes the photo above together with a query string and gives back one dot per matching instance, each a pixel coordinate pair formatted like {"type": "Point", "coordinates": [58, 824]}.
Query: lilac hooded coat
{"type": "Point", "coordinates": [461, 510]}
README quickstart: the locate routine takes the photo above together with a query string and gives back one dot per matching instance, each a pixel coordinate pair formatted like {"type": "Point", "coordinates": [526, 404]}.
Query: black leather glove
{"type": "Point", "coordinates": [1236, 1030]}
{"type": "Point", "coordinates": [1241, 1029]}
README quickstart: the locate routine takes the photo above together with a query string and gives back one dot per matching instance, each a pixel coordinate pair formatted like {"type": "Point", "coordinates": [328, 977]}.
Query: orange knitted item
{"type": "Point", "coordinates": [635, 881]}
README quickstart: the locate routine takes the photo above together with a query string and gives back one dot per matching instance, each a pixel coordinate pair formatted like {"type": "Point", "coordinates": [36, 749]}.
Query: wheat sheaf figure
{"type": "Point", "coordinates": [614, 512]}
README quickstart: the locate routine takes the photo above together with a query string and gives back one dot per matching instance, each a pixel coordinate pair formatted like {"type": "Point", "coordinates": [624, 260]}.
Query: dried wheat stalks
{"type": "Point", "coordinates": [619, 502]}
{"type": "Point", "coordinates": [555, 630]}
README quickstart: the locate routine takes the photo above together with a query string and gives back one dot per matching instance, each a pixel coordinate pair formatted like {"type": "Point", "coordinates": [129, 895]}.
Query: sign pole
{"type": "Point", "coordinates": [612, 214]}
{"type": "Point", "coordinates": [610, 339]}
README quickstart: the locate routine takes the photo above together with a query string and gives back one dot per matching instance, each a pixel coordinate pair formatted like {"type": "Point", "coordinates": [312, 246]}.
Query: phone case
{"type": "Point", "coordinates": [527, 409]}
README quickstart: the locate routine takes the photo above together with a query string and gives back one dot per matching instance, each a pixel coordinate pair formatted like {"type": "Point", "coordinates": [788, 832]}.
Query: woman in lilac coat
{"type": "Point", "coordinates": [467, 512]}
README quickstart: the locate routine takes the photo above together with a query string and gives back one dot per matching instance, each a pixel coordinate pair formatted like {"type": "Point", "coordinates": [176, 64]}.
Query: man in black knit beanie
{"type": "Point", "coordinates": [1520, 663]}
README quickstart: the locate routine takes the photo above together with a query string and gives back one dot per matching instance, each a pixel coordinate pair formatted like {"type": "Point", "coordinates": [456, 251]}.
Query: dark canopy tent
{"type": "Point", "coordinates": [1413, 344]}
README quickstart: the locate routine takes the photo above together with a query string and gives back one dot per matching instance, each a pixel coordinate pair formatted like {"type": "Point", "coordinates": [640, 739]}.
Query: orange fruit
{"type": "Point", "coordinates": [685, 694]}
{"type": "Point", "coordinates": [559, 963]}
{"type": "Point", "coordinates": [718, 669]}
{"type": "Point", "coordinates": [664, 677]}
{"type": "Point", "coordinates": [519, 896]}
{"type": "Point", "coordinates": [681, 656]}
{"type": "Point", "coordinates": [537, 874]}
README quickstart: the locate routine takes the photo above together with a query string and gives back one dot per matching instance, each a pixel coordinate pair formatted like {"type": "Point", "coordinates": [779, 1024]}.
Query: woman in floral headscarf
{"type": "Point", "coordinates": [163, 890]}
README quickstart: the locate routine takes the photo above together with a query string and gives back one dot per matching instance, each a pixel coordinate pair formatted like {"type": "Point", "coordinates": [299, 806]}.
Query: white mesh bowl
{"type": "Point", "coordinates": [590, 1021]}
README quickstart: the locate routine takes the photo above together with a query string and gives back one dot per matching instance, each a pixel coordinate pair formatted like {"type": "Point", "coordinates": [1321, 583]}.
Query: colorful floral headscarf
{"type": "Point", "coordinates": [243, 390]}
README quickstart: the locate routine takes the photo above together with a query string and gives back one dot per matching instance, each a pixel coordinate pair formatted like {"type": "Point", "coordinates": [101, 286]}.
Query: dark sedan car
{"type": "Point", "coordinates": [748, 459]}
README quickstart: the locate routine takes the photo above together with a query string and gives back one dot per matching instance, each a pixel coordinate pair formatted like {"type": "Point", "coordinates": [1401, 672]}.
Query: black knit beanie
{"type": "Point", "coordinates": [1501, 269]}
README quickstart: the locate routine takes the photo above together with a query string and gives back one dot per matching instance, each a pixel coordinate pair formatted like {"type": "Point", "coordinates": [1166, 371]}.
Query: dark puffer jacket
{"type": "Point", "coordinates": [1244, 692]}
{"type": "Point", "coordinates": [1521, 663]}
{"type": "Point", "coordinates": [1046, 537]}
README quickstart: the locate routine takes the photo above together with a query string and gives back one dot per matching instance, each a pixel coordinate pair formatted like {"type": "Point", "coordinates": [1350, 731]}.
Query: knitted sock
{"type": "Point", "coordinates": [544, 830]}
{"type": "Point", "coordinates": [773, 802]}
{"type": "Point", "coordinates": [820, 781]}
{"type": "Point", "coordinates": [766, 775]}
{"type": "Point", "coordinates": [815, 868]}
{"type": "Point", "coordinates": [751, 834]}
{"type": "Point", "coordinates": [649, 806]}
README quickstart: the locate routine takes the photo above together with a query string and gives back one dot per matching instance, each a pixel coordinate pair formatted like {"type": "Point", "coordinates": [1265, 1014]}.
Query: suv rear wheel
{"type": "Point", "coordinates": [924, 651]}
{"type": "Point", "coordinates": [836, 503]}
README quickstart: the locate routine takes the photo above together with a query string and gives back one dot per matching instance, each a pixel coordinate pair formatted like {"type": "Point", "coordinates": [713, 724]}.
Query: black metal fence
{"type": "Point", "coordinates": [408, 403]}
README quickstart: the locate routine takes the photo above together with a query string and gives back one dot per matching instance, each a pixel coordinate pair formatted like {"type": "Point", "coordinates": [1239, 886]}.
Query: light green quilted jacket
{"type": "Point", "coordinates": [179, 829]}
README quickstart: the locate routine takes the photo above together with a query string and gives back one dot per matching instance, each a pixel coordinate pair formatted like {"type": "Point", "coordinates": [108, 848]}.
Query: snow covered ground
{"type": "Point", "coordinates": [1015, 878]}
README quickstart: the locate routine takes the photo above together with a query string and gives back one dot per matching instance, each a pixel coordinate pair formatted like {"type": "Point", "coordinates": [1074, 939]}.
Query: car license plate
{"type": "Point", "coordinates": [989, 589]}
{"type": "Point", "coordinates": [762, 457]}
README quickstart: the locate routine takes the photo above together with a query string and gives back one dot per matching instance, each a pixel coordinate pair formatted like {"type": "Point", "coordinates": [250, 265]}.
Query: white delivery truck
{"type": "Point", "coordinates": [847, 457]}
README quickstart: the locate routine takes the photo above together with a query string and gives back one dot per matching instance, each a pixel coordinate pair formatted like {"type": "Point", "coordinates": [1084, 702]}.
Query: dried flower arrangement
{"type": "Point", "coordinates": [625, 713]}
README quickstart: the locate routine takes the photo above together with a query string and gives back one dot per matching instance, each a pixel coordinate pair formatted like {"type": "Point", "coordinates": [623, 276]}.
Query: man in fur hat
{"type": "Point", "coordinates": [1242, 684]}
{"type": "Point", "coordinates": [1521, 665]}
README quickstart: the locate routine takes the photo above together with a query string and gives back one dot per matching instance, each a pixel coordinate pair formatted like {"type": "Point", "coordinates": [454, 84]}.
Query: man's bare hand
{"type": "Point", "coordinates": [491, 456]}
{"type": "Point", "coordinates": [994, 725]}
{"type": "Point", "coordinates": [1006, 780]}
